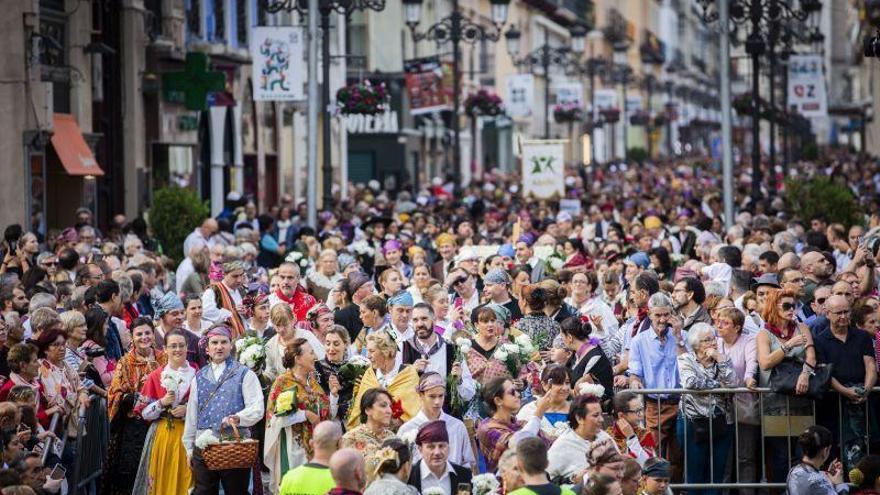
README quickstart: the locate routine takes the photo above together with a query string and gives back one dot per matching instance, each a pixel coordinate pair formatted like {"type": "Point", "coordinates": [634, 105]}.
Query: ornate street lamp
{"type": "Point", "coordinates": [546, 56]}
{"type": "Point", "coordinates": [759, 17]}
{"type": "Point", "coordinates": [325, 8]}
{"type": "Point", "coordinates": [455, 28]}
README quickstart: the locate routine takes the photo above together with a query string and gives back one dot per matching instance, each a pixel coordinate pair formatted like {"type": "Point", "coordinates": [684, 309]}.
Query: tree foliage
{"type": "Point", "coordinates": [174, 214]}
{"type": "Point", "coordinates": [821, 195]}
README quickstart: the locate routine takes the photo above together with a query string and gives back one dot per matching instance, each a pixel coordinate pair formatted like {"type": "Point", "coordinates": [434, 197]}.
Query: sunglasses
{"type": "Point", "coordinates": [459, 281]}
{"type": "Point", "coordinates": [49, 263]}
{"type": "Point", "coordinates": [821, 300]}
{"type": "Point", "coordinates": [787, 306]}
{"type": "Point", "coordinates": [513, 392]}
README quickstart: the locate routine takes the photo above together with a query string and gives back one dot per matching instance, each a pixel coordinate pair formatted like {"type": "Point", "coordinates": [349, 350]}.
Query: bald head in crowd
{"type": "Point", "coordinates": [838, 311]}
{"type": "Point", "coordinates": [348, 470]}
{"type": "Point", "coordinates": [788, 260]}
{"type": "Point", "coordinates": [325, 441]}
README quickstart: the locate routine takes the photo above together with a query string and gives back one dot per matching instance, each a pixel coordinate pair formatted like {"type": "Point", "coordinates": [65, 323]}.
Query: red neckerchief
{"type": "Point", "coordinates": [784, 335]}
{"type": "Point", "coordinates": [640, 318]}
{"type": "Point", "coordinates": [288, 300]}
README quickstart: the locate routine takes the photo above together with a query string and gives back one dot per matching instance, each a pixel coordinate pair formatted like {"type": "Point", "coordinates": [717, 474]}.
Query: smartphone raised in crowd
{"type": "Point", "coordinates": [58, 472]}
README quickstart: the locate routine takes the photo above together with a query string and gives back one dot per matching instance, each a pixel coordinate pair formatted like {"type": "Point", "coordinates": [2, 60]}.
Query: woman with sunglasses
{"type": "Point", "coordinates": [502, 399]}
{"type": "Point", "coordinates": [783, 337]}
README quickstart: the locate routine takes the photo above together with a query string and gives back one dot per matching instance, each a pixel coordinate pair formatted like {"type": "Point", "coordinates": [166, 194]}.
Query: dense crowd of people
{"type": "Point", "coordinates": [452, 341]}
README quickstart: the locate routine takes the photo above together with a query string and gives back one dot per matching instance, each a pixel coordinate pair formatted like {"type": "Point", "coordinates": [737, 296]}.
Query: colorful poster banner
{"type": "Point", "coordinates": [279, 68]}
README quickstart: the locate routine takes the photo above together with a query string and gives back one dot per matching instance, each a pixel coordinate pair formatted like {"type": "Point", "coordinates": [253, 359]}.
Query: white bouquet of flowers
{"type": "Point", "coordinates": [593, 389]}
{"type": "Point", "coordinates": [171, 380]}
{"type": "Point", "coordinates": [485, 484]}
{"type": "Point", "coordinates": [363, 248]}
{"type": "Point", "coordinates": [434, 490]}
{"type": "Point", "coordinates": [515, 354]}
{"type": "Point", "coordinates": [464, 345]}
{"type": "Point", "coordinates": [251, 352]}
{"type": "Point", "coordinates": [205, 439]}
{"type": "Point", "coordinates": [298, 258]}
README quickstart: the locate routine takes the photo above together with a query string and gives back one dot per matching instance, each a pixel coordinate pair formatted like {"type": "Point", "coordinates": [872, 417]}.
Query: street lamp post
{"type": "Point", "coordinates": [546, 56]}
{"type": "Point", "coordinates": [455, 28]}
{"type": "Point", "coordinates": [593, 66]}
{"type": "Point", "coordinates": [325, 8]}
{"type": "Point", "coordinates": [758, 15]}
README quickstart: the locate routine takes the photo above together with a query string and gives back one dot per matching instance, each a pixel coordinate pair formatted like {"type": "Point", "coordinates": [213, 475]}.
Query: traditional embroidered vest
{"type": "Point", "coordinates": [225, 394]}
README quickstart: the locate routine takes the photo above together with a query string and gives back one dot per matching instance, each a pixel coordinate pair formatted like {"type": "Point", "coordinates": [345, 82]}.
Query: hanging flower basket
{"type": "Point", "coordinates": [640, 118]}
{"type": "Point", "coordinates": [743, 105]}
{"type": "Point", "coordinates": [362, 98]}
{"type": "Point", "coordinates": [611, 115]}
{"type": "Point", "coordinates": [568, 112]}
{"type": "Point", "coordinates": [483, 102]}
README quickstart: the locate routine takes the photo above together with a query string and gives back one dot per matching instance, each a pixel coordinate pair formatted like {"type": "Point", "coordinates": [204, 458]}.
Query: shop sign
{"type": "Point", "coordinates": [383, 123]}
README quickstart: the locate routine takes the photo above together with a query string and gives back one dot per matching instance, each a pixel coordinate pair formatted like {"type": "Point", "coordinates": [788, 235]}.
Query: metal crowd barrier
{"type": "Point", "coordinates": [49, 443]}
{"type": "Point", "coordinates": [93, 433]}
{"type": "Point", "coordinates": [792, 428]}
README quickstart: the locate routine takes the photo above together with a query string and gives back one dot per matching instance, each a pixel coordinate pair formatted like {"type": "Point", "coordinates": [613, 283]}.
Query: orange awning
{"type": "Point", "coordinates": [75, 154]}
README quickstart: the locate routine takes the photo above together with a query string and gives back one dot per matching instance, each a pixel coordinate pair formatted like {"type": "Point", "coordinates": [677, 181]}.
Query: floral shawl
{"type": "Point", "coordinates": [129, 377]}
{"type": "Point", "coordinates": [296, 437]}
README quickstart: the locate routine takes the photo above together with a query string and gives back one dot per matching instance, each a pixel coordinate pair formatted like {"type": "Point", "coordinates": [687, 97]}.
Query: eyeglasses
{"type": "Point", "coordinates": [787, 306]}
{"type": "Point", "coordinates": [821, 300]}
{"type": "Point", "coordinates": [459, 281]}
{"type": "Point", "coordinates": [640, 410]}
{"type": "Point", "coordinates": [176, 346]}
{"type": "Point", "coordinates": [49, 263]}
{"type": "Point", "coordinates": [843, 312]}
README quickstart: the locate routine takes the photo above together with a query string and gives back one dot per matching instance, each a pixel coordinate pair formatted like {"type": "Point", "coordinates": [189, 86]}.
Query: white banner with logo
{"type": "Point", "coordinates": [543, 168]}
{"type": "Point", "coordinates": [806, 85]}
{"type": "Point", "coordinates": [520, 95]}
{"type": "Point", "coordinates": [569, 93]}
{"type": "Point", "coordinates": [279, 66]}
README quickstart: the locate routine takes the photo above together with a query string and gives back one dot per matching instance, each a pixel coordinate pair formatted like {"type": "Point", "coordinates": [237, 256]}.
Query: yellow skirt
{"type": "Point", "coordinates": [169, 471]}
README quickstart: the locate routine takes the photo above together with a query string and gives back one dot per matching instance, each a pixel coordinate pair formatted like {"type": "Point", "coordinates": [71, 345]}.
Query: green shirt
{"type": "Point", "coordinates": [546, 489]}
{"type": "Point", "coordinates": [308, 479]}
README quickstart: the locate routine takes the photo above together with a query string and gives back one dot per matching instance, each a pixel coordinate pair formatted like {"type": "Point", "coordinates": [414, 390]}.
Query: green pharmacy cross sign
{"type": "Point", "coordinates": [191, 87]}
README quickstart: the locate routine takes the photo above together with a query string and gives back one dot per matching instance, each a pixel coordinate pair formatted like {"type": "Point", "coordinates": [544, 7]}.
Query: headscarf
{"type": "Point", "coordinates": [218, 330]}
{"type": "Point", "coordinates": [402, 298]}
{"type": "Point", "coordinates": [251, 301]}
{"type": "Point", "coordinates": [444, 239]}
{"type": "Point", "coordinates": [316, 312]}
{"type": "Point", "coordinates": [167, 303]}
{"type": "Point", "coordinates": [502, 313]}
{"type": "Point", "coordinates": [429, 380]}
{"type": "Point", "coordinates": [391, 245]}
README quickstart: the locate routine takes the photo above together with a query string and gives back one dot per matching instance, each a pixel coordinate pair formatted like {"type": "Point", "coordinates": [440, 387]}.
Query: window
{"type": "Point", "coordinates": [241, 22]}
{"type": "Point", "coordinates": [194, 17]}
{"type": "Point", "coordinates": [219, 18]}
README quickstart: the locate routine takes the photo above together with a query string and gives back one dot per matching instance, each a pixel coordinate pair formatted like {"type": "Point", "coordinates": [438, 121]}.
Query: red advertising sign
{"type": "Point", "coordinates": [428, 85]}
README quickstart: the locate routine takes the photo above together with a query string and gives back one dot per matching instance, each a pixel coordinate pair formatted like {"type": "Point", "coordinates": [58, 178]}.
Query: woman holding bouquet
{"type": "Point", "coordinates": [164, 468]}
{"type": "Point", "coordinates": [336, 346]}
{"type": "Point", "coordinates": [296, 404]}
{"type": "Point", "coordinates": [127, 431]}
{"type": "Point", "coordinates": [480, 359]}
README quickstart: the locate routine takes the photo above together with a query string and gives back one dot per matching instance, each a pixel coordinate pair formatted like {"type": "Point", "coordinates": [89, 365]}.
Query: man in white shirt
{"type": "Point", "coordinates": [434, 470]}
{"type": "Point", "coordinates": [224, 393]}
{"type": "Point", "coordinates": [432, 394]}
{"type": "Point", "coordinates": [428, 352]}
{"type": "Point", "coordinates": [221, 299]}
{"type": "Point", "coordinates": [201, 236]}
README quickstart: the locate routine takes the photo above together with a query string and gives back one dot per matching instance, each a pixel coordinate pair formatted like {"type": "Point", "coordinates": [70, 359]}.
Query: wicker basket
{"type": "Point", "coordinates": [231, 454]}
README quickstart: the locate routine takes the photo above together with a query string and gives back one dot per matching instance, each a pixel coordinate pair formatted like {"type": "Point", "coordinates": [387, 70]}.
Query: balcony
{"type": "Point", "coordinates": [566, 12]}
